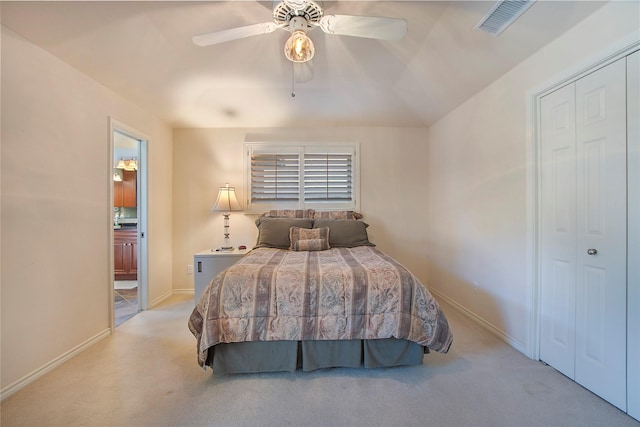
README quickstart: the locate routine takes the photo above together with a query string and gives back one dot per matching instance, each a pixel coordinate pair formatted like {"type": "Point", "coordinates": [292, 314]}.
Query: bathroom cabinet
{"type": "Point", "coordinates": [124, 192]}
{"type": "Point", "coordinates": [125, 254]}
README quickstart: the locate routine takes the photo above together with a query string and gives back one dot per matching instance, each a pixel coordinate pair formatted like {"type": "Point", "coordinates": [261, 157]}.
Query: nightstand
{"type": "Point", "coordinates": [207, 264]}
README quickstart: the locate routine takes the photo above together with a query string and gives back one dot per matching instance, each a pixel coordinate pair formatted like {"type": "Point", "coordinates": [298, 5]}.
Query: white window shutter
{"type": "Point", "coordinates": [328, 177]}
{"type": "Point", "coordinates": [301, 176]}
{"type": "Point", "coordinates": [275, 177]}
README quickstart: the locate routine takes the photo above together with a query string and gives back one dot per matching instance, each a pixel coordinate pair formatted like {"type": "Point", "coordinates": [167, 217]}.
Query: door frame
{"type": "Point", "coordinates": [616, 51]}
{"type": "Point", "coordinates": [142, 213]}
{"type": "Point", "coordinates": [633, 241]}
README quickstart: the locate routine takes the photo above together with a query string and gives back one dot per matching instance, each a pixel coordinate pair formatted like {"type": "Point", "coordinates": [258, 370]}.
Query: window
{"type": "Point", "coordinates": [299, 176]}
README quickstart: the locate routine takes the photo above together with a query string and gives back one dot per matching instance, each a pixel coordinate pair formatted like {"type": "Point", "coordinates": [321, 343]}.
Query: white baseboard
{"type": "Point", "coordinates": [29, 378]}
{"type": "Point", "coordinates": [161, 298]}
{"type": "Point", "coordinates": [482, 322]}
{"type": "Point", "coordinates": [169, 294]}
{"type": "Point", "coordinates": [183, 291]}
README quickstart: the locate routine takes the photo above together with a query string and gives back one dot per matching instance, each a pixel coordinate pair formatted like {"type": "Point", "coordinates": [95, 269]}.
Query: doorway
{"type": "Point", "coordinates": [128, 223]}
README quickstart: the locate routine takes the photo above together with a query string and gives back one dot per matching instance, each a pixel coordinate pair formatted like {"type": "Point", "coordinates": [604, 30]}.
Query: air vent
{"type": "Point", "coordinates": [502, 14]}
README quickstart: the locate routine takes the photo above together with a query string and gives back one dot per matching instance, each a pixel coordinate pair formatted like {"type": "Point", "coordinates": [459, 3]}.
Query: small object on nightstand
{"type": "Point", "coordinates": [242, 247]}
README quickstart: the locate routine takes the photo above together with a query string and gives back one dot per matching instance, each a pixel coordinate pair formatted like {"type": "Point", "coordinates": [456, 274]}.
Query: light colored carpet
{"type": "Point", "coordinates": [146, 375]}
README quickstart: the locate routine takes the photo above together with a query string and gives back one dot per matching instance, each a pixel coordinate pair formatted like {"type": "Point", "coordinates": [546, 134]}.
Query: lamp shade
{"type": "Point", "coordinates": [132, 165]}
{"type": "Point", "coordinates": [226, 201]}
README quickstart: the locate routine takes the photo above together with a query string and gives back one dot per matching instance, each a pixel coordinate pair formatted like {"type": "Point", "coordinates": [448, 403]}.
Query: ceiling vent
{"type": "Point", "coordinates": [502, 14]}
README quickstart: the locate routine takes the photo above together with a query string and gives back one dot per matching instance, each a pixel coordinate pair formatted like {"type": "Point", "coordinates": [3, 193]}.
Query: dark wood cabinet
{"type": "Point", "coordinates": [125, 254]}
{"type": "Point", "coordinates": [125, 191]}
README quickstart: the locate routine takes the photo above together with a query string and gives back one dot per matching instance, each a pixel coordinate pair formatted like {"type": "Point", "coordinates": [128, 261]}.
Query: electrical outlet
{"type": "Point", "coordinates": [189, 269]}
{"type": "Point", "coordinates": [475, 287]}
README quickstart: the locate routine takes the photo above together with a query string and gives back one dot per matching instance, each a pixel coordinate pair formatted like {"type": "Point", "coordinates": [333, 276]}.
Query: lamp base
{"type": "Point", "coordinates": [225, 248]}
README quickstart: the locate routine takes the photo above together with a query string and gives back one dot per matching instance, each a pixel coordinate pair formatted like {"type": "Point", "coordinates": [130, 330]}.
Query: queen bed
{"type": "Point", "coordinates": [315, 293]}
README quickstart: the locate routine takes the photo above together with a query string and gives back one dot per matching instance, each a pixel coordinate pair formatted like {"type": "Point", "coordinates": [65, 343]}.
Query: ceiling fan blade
{"type": "Point", "coordinates": [364, 26]}
{"type": "Point", "coordinates": [234, 34]}
{"type": "Point", "coordinates": [303, 71]}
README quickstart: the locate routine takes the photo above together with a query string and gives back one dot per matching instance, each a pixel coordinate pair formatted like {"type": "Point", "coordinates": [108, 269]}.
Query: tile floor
{"type": "Point", "coordinates": [126, 301]}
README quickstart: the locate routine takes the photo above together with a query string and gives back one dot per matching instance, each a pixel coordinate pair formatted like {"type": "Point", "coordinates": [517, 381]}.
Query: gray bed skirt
{"type": "Point", "coordinates": [276, 356]}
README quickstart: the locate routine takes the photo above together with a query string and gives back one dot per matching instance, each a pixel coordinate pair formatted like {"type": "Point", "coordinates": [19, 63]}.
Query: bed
{"type": "Point", "coordinates": [315, 293]}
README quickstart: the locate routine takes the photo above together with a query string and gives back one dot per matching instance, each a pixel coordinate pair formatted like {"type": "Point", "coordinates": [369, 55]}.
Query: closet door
{"type": "Point", "coordinates": [558, 230]}
{"type": "Point", "coordinates": [583, 232]}
{"type": "Point", "coordinates": [601, 299]}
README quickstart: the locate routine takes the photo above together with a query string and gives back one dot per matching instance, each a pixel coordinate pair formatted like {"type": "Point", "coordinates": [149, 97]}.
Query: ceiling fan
{"type": "Point", "coordinates": [300, 16]}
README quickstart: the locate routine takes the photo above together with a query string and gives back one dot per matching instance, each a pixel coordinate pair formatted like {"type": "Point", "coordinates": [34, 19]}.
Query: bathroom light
{"type": "Point", "coordinates": [128, 165]}
{"type": "Point", "coordinates": [132, 165]}
{"type": "Point", "coordinates": [121, 164]}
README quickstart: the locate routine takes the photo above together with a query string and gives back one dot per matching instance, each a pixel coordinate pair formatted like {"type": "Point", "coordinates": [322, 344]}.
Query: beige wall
{"type": "Point", "coordinates": [56, 211]}
{"type": "Point", "coordinates": [393, 175]}
{"type": "Point", "coordinates": [478, 178]}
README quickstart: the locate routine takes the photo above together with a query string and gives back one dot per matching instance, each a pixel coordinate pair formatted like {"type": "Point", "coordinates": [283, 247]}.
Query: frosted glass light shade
{"type": "Point", "coordinates": [132, 165]}
{"type": "Point", "coordinates": [299, 47]}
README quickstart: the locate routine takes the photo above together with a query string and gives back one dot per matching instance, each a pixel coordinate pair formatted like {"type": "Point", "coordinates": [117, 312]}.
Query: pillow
{"type": "Point", "coordinates": [290, 213]}
{"type": "Point", "coordinates": [338, 214]}
{"type": "Point", "coordinates": [310, 245]}
{"type": "Point", "coordinates": [274, 232]}
{"type": "Point", "coordinates": [345, 233]}
{"type": "Point", "coordinates": [303, 239]}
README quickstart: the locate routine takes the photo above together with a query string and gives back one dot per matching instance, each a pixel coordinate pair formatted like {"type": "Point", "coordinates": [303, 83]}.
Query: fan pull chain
{"type": "Point", "coordinates": [293, 80]}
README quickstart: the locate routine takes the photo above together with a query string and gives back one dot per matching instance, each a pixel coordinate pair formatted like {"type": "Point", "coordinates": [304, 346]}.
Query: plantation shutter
{"type": "Point", "coordinates": [301, 176]}
{"type": "Point", "coordinates": [275, 177]}
{"type": "Point", "coordinates": [328, 177]}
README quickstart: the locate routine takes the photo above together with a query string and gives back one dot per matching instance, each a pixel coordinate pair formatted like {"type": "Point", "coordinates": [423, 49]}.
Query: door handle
{"type": "Point", "coordinates": [592, 251]}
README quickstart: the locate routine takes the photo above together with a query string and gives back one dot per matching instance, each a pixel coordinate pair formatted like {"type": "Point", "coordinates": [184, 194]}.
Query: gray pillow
{"type": "Point", "coordinates": [345, 233]}
{"type": "Point", "coordinates": [274, 232]}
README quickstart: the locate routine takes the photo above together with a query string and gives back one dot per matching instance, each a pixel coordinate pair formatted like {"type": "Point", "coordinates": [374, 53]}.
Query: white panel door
{"type": "Point", "coordinates": [558, 232]}
{"type": "Point", "coordinates": [583, 232]}
{"type": "Point", "coordinates": [601, 279]}
{"type": "Point", "coordinates": [633, 255]}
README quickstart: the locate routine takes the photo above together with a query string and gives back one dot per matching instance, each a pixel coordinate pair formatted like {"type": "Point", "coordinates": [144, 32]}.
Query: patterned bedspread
{"type": "Point", "coordinates": [341, 293]}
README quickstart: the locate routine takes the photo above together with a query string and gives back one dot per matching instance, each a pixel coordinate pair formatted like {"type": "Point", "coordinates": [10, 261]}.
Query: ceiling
{"type": "Point", "coordinates": [143, 51]}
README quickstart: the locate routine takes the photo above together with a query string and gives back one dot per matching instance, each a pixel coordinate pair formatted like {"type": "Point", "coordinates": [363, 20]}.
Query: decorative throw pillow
{"type": "Point", "coordinates": [310, 245]}
{"type": "Point", "coordinates": [290, 213]}
{"type": "Point", "coordinates": [302, 239]}
{"type": "Point", "coordinates": [338, 214]}
{"type": "Point", "coordinates": [345, 233]}
{"type": "Point", "coordinates": [274, 232]}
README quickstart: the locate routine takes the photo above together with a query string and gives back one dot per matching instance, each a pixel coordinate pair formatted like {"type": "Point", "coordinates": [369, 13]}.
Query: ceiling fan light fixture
{"type": "Point", "coordinates": [299, 47]}
{"type": "Point", "coordinates": [296, 4]}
